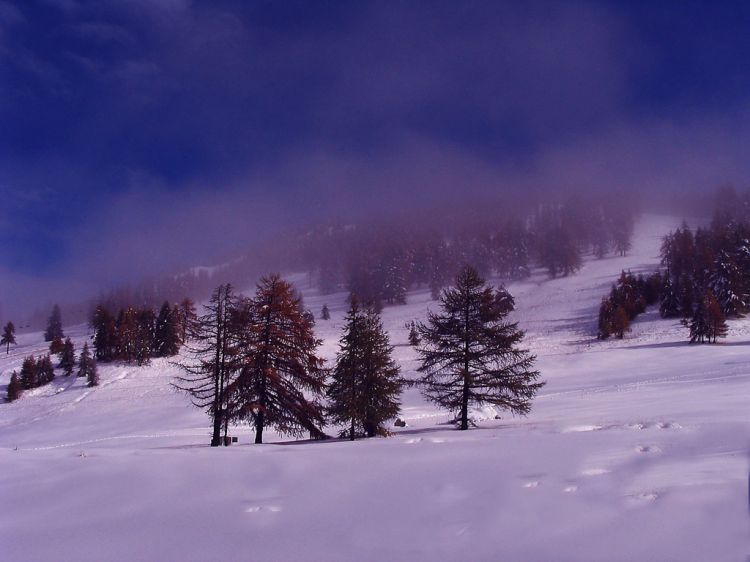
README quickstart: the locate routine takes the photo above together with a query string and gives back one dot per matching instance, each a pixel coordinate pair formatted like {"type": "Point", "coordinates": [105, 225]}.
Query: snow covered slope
{"type": "Point", "coordinates": [635, 450]}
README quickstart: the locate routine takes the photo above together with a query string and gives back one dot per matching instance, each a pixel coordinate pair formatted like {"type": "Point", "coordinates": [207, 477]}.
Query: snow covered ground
{"type": "Point", "coordinates": [635, 450]}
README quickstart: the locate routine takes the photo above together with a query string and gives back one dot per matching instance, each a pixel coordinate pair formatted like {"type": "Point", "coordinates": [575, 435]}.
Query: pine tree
{"type": "Point", "coordinates": [670, 300]}
{"type": "Point", "coordinates": [167, 335]}
{"type": "Point", "coordinates": [470, 353]}
{"type": "Point", "coordinates": [87, 367]}
{"type": "Point", "coordinates": [212, 364]}
{"type": "Point", "coordinates": [325, 314]}
{"type": "Point", "coordinates": [717, 326]}
{"type": "Point", "coordinates": [28, 373]}
{"type": "Point", "coordinates": [282, 378]}
{"type": "Point", "coordinates": [414, 339]}
{"type": "Point", "coordinates": [144, 336]}
{"type": "Point", "coordinates": [45, 372]}
{"type": "Point", "coordinates": [620, 322]}
{"type": "Point", "coordinates": [187, 318]}
{"type": "Point", "coordinates": [67, 357]}
{"type": "Point", "coordinates": [54, 329]}
{"type": "Point", "coordinates": [699, 323]}
{"type": "Point", "coordinates": [56, 345]}
{"type": "Point", "coordinates": [365, 389]}
{"type": "Point", "coordinates": [15, 389]}
{"type": "Point", "coordinates": [105, 334]}
{"type": "Point", "coordinates": [9, 336]}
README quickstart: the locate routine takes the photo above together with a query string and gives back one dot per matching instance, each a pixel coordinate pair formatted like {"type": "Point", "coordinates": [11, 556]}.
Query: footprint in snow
{"type": "Point", "coordinates": [641, 498]}
{"type": "Point", "coordinates": [259, 508]}
{"type": "Point", "coordinates": [648, 449]}
{"type": "Point", "coordinates": [595, 471]}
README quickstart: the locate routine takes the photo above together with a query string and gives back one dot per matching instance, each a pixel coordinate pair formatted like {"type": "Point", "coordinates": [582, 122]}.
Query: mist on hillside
{"type": "Point", "coordinates": [144, 140]}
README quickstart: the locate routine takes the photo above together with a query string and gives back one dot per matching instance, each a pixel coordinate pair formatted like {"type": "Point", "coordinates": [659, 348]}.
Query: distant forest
{"type": "Point", "coordinates": [381, 259]}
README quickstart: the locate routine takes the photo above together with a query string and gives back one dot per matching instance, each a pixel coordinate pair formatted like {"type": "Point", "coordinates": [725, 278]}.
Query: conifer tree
{"type": "Point", "coordinates": [67, 357]}
{"type": "Point", "coordinates": [187, 318]}
{"type": "Point", "coordinates": [105, 334]}
{"type": "Point", "coordinates": [9, 336]}
{"type": "Point", "coordinates": [87, 367]}
{"type": "Point", "coordinates": [414, 338]}
{"type": "Point", "coordinates": [325, 314]}
{"type": "Point", "coordinates": [15, 389]}
{"type": "Point", "coordinates": [54, 329]}
{"type": "Point", "coordinates": [167, 335]}
{"type": "Point", "coordinates": [145, 335]}
{"type": "Point", "coordinates": [717, 326]}
{"type": "Point", "coordinates": [45, 372]}
{"type": "Point", "coordinates": [282, 379]}
{"type": "Point", "coordinates": [699, 323]}
{"type": "Point", "coordinates": [620, 322]}
{"type": "Point", "coordinates": [365, 389]}
{"type": "Point", "coordinates": [469, 352]}
{"type": "Point", "coordinates": [28, 373]}
{"type": "Point", "coordinates": [56, 345]}
{"type": "Point", "coordinates": [212, 364]}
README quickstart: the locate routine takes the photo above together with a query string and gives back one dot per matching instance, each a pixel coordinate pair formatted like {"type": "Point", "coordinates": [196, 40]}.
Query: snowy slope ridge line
{"type": "Point", "coordinates": [636, 450]}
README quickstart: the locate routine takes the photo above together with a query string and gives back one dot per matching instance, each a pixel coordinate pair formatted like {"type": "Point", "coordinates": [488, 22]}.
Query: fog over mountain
{"type": "Point", "coordinates": [140, 138]}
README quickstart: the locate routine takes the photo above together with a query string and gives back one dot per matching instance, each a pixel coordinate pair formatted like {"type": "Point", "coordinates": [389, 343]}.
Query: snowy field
{"type": "Point", "coordinates": [634, 450]}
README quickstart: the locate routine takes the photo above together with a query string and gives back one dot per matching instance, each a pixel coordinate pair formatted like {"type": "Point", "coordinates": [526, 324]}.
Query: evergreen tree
{"type": "Point", "coordinates": [699, 323]}
{"type": "Point", "coordinates": [282, 378]}
{"type": "Point", "coordinates": [325, 314]}
{"type": "Point", "coordinates": [28, 373]}
{"type": "Point", "coordinates": [717, 326]}
{"type": "Point", "coordinates": [67, 357]}
{"type": "Point", "coordinates": [54, 329]}
{"type": "Point", "coordinates": [9, 336]}
{"type": "Point", "coordinates": [670, 300]}
{"type": "Point", "coordinates": [56, 345]}
{"type": "Point", "coordinates": [213, 352]}
{"type": "Point", "coordinates": [620, 322]}
{"type": "Point", "coordinates": [470, 352]}
{"type": "Point", "coordinates": [167, 335]}
{"type": "Point", "coordinates": [45, 372]}
{"type": "Point", "coordinates": [15, 389]}
{"type": "Point", "coordinates": [414, 339]}
{"type": "Point", "coordinates": [365, 389]}
{"type": "Point", "coordinates": [87, 367]}
{"type": "Point", "coordinates": [105, 334]}
{"type": "Point", "coordinates": [187, 318]}
{"type": "Point", "coordinates": [145, 336]}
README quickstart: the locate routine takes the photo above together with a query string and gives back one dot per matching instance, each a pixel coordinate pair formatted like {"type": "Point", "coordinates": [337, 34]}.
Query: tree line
{"type": "Point", "coordinates": [138, 334]}
{"type": "Point", "coordinates": [382, 261]}
{"type": "Point", "coordinates": [255, 359]}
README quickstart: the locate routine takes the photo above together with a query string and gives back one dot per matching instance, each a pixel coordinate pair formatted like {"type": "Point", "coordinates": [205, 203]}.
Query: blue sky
{"type": "Point", "coordinates": [124, 124]}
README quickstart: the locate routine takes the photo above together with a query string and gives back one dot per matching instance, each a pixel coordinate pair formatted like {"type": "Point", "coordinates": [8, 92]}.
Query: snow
{"type": "Point", "coordinates": [635, 450]}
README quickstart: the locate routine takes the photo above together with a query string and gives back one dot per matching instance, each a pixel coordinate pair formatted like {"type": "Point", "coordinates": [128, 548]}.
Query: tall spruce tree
{"type": "Point", "coordinates": [15, 389]}
{"type": "Point", "coordinates": [365, 389]}
{"type": "Point", "coordinates": [45, 372]}
{"type": "Point", "coordinates": [105, 334]}
{"type": "Point", "coordinates": [282, 379]}
{"type": "Point", "coordinates": [325, 314]}
{"type": "Point", "coordinates": [28, 373]}
{"type": "Point", "coordinates": [87, 367]}
{"type": "Point", "coordinates": [54, 331]}
{"type": "Point", "coordinates": [9, 336]}
{"type": "Point", "coordinates": [469, 352]}
{"type": "Point", "coordinates": [67, 357]}
{"type": "Point", "coordinates": [187, 319]}
{"type": "Point", "coordinates": [212, 360]}
{"type": "Point", "coordinates": [167, 336]}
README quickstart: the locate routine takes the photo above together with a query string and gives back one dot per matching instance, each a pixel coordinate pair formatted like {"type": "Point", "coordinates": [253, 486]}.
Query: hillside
{"type": "Point", "coordinates": [634, 450]}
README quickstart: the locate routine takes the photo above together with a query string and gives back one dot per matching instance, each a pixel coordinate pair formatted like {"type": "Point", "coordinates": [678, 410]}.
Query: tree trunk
{"type": "Point", "coordinates": [465, 393]}
{"type": "Point", "coordinates": [259, 427]}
